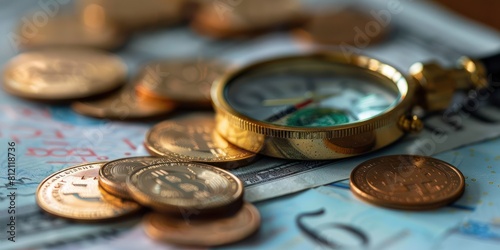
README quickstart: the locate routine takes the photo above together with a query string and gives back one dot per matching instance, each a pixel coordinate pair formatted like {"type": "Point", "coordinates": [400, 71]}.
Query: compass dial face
{"type": "Point", "coordinates": [306, 93]}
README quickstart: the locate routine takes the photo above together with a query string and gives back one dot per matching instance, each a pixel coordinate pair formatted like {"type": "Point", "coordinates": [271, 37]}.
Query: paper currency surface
{"type": "Point", "coordinates": [48, 138]}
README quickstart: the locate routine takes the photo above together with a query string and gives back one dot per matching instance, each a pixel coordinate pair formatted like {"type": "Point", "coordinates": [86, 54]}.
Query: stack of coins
{"type": "Point", "coordinates": [178, 192]}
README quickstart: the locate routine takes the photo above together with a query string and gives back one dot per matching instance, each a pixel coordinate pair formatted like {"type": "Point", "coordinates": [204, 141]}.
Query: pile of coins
{"type": "Point", "coordinates": [194, 204]}
{"type": "Point", "coordinates": [187, 179]}
{"type": "Point", "coordinates": [64, 62]}
{"type": "Point", "coordinates": [95, 82]}
{"type": "Point", "coordinates": [108, 24]}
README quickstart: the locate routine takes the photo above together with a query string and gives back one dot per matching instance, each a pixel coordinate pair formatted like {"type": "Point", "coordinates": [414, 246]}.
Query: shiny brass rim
{"type": "Point", "coordinates": [404, 86]}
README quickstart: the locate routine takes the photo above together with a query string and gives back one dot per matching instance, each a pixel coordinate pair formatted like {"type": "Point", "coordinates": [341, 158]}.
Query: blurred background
{"type": "Point", "coordinates": [484, 11]}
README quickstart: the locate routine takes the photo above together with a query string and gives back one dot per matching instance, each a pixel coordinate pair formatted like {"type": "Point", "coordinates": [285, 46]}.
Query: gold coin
{"type": "Point", "coordinates": [108, 197]}
{"type": "Point", "coordinates": [113, 175]}
{"type": "Point", "coordinates": [222, 19]}
{"type": "Point", "coordinates": [123, 104]}
{"type": "Point", "coordinates": [133, 15]}
{"type": "Point", "coordinates": [186, 188]}
{"type": "Point", "coordinates": [203, 232]}
{"type": "Point", "coordinates": [184, 82]}
{"type": "Point", "coordinates": [68, 31]}
{"type": "Point", "coordinates": [346, 26]}
{"type": "Point", "coordinates": [73, 193]}
{"type": "Point", "coordinates": [63, 74]}
{"type": "Point", "coordinates": [407, 182]}
{"type": "Point", "coordinates": [193, 138]}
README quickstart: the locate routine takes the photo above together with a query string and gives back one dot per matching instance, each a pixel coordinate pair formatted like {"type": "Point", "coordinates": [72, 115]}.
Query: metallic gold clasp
{"type": "Point", "coordinates": [437, 84]}
{"type": "Point", "coordinates": [473, 73]}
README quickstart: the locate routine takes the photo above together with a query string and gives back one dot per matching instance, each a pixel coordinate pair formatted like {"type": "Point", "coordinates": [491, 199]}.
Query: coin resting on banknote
{"type": "Point", "coordinates": [63, 74]}
{"type": "Point", "coordinates": [184, 82]}
{"type": "Point", "coordinates": [123, 104]}
{"type": "Point", "coordinates": [330, 105]}
{"type": "Point", "coordinates": [74, 193]}
{"type": "Point", "coordinates": [193, 138]}
{"type": "Point", "coordinates": [408, 182]}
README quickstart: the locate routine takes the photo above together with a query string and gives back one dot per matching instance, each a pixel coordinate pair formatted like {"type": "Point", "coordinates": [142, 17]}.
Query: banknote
{"type": "Point", "coordinates": [331, 217]}
{"type": "Point", "coordinates": [323, 219]}
{"type": "Point", "coordinates": [55, 145]}
{"type": "Point", "coordinates": [480, 165]}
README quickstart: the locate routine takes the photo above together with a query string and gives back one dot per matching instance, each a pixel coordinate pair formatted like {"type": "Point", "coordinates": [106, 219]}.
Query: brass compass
{"type": "Point", "coordinates": [330, 105]}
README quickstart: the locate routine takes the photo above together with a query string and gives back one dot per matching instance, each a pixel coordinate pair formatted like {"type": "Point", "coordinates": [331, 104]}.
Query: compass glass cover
{"type": "Point", "coordinates": [310, 93]}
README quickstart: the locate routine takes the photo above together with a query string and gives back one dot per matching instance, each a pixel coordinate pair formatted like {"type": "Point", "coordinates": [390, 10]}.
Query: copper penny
{"type": "Point", "coordinates": [123, 104]}
{"type": "Point", "coordinates": [132, 15]}
{"type": "Point", "coordinates": [63, 74]}
{"type": "Point", "coordinates": [186, 188]}
{"type": "Point", "coordinates": [223, 19]}
{"type": "Point", "coordinates": [69, 30]}
{"type": "Point", "coordinates": [73, 193]}
{"type": "Point", "coordinates": [203, 232]}
{"type": "Point", "coordinates": [184, 82]}
{"type": "Point", "coordinates": [343, 27]}
{"type": "Point", "coordinates": [193, 138]}
{"type": "Point", "coordinates": [112, 175]}
{"type": "Point", "coordinates": [407, 182]}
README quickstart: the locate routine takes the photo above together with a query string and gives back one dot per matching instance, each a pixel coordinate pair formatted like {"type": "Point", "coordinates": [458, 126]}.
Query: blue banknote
{"type": "Point", "coordinates": [325, 218]}
{"type": "Point", "coordinates": [480, 165]}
